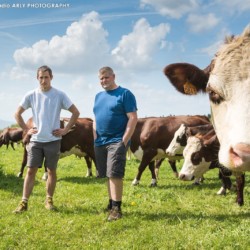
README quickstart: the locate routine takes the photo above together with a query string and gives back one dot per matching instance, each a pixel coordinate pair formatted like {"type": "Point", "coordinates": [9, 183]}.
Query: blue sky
{"type": "Point", "coordinates": [138, 38]}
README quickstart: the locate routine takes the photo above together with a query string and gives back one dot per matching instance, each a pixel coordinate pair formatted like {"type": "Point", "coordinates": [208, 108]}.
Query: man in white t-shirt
{"type": "Point", "coordinates": [46, 103]}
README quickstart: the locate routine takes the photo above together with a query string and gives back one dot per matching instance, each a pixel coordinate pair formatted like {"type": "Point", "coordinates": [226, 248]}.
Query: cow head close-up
{"type": "Point", "coordinates": [227, 82]}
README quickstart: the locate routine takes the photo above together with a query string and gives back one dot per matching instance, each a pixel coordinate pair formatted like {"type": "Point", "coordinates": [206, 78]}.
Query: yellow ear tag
{"type": "Point", "coordinates": [189, 89]}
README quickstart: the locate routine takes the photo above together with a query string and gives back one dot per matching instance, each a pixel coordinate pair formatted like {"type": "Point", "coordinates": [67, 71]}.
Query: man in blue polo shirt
{"type": "Point", "coordinates": [115, 112]}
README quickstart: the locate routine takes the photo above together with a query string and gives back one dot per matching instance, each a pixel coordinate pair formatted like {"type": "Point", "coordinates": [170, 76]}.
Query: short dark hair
{"type": "Point", "coordinates": [43, 69]}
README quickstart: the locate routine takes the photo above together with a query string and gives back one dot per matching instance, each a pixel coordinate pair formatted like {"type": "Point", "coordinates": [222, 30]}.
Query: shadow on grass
{"type": "Point", "coordinates": [186, 216]}
{"type": "Point", "coordinates": [83, 180]}
{"type": "Point", "coordinates": [10, 182]}
{"type": "Point", "coordinates": [179, 185]}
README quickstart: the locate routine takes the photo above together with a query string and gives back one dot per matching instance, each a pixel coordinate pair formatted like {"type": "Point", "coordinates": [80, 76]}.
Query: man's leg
{"type": "Point", "coordinates": [28, 185]}
{"type": "Point", "coordinates": [29, 182]}
{"type": "Point", "coordinates": [51, 182]}
{"type": "Point", "coordinates": [50, 188]}
{"type": "Point", "coordinates": [51, 154]}
{"type": "Point", "coordinates": [116, 188]}
{"type": "Point", "coordinates": [110, 197]}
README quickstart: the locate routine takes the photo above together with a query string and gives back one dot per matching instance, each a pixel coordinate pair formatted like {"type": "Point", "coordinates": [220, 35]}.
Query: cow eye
{"type": "Point", "coordinates": [214, 96]}
{"type": "Point", "coordinates": [178, 139]}
{"type": "Point", "coordinates": [195, 158]}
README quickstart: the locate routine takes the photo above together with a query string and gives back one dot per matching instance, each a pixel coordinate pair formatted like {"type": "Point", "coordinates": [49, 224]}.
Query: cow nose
{"type": "Point", "coordinates": [240, 154]}
{"type": "Point", "coordinates": [168, 153]}
{"type": "Point", "coordinates": [181, 176]}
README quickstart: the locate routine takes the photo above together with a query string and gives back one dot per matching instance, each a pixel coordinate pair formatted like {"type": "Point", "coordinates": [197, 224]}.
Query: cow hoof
{"type": "Point", "coordinates": [135, 182]}
{"type": "Point", "coordinates": [89, 175]}
{"type": "Point", "coordinates": [196, 183]}
{"type": "Point", "coordinates": [20, 175]}
{"type": "Point", "coordinates": [45, 176]}
{"type": "Point", "coordinates": [222, 191]}
{"type": "Point", "coordinates": [240, 202]}
{"type": "Point", "coordinates": [153, 185]}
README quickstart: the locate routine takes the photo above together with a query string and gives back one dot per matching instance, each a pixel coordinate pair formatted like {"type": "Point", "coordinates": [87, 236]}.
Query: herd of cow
{"type": "Point", "coordinates": [155, 138]}
{"type": "Point", "coordinates": [222, 144]}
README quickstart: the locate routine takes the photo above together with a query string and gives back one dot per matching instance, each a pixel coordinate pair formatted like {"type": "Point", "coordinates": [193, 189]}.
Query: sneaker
{"type": "Point", "coordinates": [49, 204]}
{"type": "Point", "coordinates": [23, 206]}
{"type": "Point", "coordinates": [115, 214]}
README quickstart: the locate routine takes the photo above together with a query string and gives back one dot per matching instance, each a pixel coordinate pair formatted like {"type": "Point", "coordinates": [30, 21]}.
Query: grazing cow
{"type": "Point", "coordinates": [78, 141]}
{"type": "Point", "coordinates": [201, 155]}
{"type": "Point", "coordinates": [152, 136]}
{"type": "Point", "coordinates": [10, 136]}
{"type": "Point", "coordinates": [179, 141]}
{"type": "Point", "coordinates": [227, 81]}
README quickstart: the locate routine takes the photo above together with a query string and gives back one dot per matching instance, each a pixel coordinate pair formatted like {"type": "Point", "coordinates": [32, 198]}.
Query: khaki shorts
{"type": "Point", "coordinates": [43, 152]}
{"type": "Point", "coordinates": [111, 160]}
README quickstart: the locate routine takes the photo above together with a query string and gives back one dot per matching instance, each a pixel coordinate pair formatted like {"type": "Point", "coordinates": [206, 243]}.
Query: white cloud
{"type": "Point", "coordinates": [81, 49]}
{"type": "Point", "coordinates": [213, 48]}
{"type": "Point", "coordinates": [84, 47]}
{"type": "Point", "coordinates": [235, 5]}
{"type": "Point", "coordinates": [201, 23]}
{"type": "Point", "coordinates": [19, 74]}
{"type": "Point", "coordinates": [171, 8]}
{"type": "Point", "coordinates": [136, 49]}
{"type": "Point", "coordinates": [80, 83]}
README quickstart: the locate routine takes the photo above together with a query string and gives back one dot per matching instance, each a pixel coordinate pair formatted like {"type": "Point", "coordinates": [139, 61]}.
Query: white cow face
{"type": "Point", "coordinates": [194, 165]}
{"type": "Point", "coordinates": [229, 93]}
{"type": "Point", "coordinates": [175, 145]}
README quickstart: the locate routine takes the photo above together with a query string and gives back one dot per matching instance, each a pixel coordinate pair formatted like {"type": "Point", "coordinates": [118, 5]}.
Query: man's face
{"type": "Point", "coordinates": [44, 79]}
{"type": "Point", "coordinates": [107, 81]}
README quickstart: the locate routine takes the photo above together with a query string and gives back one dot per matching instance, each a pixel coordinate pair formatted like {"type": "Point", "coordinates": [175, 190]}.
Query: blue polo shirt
{"type": "Point", "coordinates": [110, 109]}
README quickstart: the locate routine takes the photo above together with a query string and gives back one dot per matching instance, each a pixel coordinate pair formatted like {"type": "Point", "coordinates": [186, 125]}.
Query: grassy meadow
{"type": "Point", "coordinates": [173, 215]}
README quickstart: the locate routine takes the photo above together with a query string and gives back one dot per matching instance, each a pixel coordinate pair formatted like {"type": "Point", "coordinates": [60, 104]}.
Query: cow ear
{"type": "Point", "coordinates": [186, 78]}
{"type": "Point", "coordinates": [210, 141]}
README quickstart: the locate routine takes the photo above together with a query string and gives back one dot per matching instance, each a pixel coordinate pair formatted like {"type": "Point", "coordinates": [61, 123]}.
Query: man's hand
{"type": "Point", "coordinates": [59, 132]}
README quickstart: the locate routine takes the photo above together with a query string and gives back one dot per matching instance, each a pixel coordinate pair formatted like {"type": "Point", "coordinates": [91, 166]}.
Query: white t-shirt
{"type": "Point", "coordinates": [46, 108]}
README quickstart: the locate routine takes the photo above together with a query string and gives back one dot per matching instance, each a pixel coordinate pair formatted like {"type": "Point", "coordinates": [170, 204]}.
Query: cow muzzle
{"type": "Point", "coordinates": [240, 155]}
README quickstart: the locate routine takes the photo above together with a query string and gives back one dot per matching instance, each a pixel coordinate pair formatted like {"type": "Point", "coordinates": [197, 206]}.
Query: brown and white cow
{"type": "Point", "coordinates": [78, 141]}
{"type": "Point", "coordinates": [179, 141]}
{"type": "Point", "coordinates": [201, 155]}
{"type": "Point", "coordinates": [227, 81]}
{"type": "Point", "coordinates": [152, 136]}
{"type": "Point", "coordinates": [11, 136]}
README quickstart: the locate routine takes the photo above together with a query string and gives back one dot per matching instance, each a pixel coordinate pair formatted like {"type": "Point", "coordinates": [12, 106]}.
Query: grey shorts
{"type": "Point", "coordinates": [111, 160]}
{"type": "Point", "coordinates": [47, 152]}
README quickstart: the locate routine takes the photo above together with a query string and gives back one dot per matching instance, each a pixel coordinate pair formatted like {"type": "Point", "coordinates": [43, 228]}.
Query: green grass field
{"type": "Point", "coordinates": [173, 215]}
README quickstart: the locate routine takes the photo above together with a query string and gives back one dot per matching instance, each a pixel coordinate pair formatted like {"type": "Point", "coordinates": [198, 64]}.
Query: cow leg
{"type": "Point", "coordinates": [151, 166]}
{"type": "Point", "coordinates": [89, 166]}
{"type": "Point", "coordinates": [157, 167]}
{"type": "Point", "coordinates": [45, 175]}
{"type": "Point", "coordinates": [146, 159]}
{"type": "Point", "coordinates": [240, 182]}
{"type": "Point", "coordinates": [24, 162]}
{"type": "Point", "coordinates": [226, 183]}
{"type": "Point", "coordinates": [12, 145]}
{"type": "Point", "coordinates": [173, 167]}
{"type": "Point", "coordinates": [97, 174]}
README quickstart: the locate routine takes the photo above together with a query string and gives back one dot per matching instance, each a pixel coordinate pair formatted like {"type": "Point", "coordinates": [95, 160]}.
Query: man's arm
{"type": "Point", "coordinates": [75, 114]}
{"type": "Point", "coordinates": [19, 118]}
{"type": "Point", "coordinates": [132, 121]}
